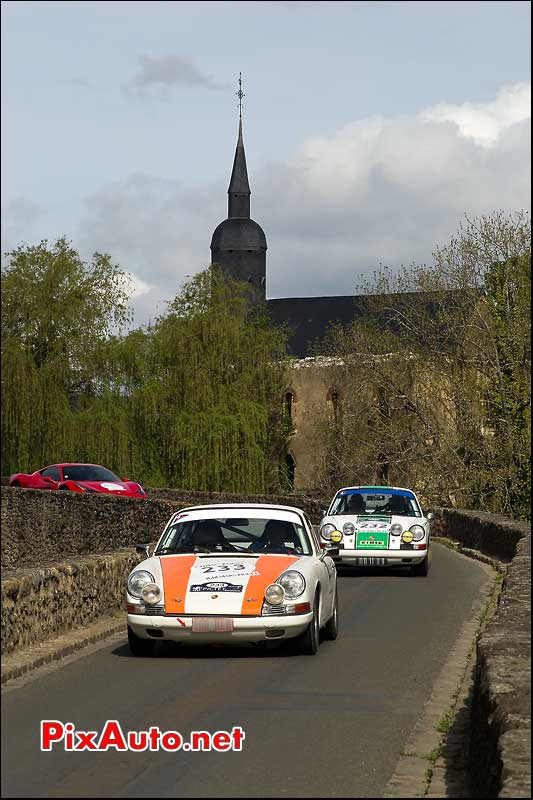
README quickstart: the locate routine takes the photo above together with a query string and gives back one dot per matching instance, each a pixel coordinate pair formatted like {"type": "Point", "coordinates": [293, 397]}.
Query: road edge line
{"type": "Point", "coordinates": [24, 660]}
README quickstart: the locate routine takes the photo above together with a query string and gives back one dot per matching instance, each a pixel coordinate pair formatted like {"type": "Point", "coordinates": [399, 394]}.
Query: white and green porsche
{"type": "Point", "coordinates": [378, 526]}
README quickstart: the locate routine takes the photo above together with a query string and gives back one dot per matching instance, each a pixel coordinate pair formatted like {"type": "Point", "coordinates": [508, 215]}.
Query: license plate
{"type": "Point", "coordinates": [212, 624]}
{"type": "Point", "coordinates": [371, 562]}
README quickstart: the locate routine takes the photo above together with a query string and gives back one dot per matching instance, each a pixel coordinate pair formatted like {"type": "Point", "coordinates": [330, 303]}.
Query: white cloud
{"type": "Point", "coordinates": [136, 287]}
{"type": "Point", "coordinates": [486, 123]}
{"type": "Point", "coordinates": [378, 190]}
{"type": "Point", "coordinates": [388, 190]}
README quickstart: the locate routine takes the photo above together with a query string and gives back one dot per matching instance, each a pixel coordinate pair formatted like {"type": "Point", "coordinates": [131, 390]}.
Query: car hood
{"type": "Point", "coordinates": [217, 584]}
{"type": "Point", "coordinates": [109, 487]}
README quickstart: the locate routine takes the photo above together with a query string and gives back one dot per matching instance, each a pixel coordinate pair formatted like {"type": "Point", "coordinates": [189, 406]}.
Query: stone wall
{"type": "Point", "coordinates": [310, 380]}
{"type": "Point", "coordinates": [311, 505]}
{"type": "Point", "coordinates": [500, 746]}
{"type": "Point", "coordinates": [491, 534]}
{"type": "Point", "coordinates": [40, 527]}
{"type": "Point", "coordinates": [40, 603]}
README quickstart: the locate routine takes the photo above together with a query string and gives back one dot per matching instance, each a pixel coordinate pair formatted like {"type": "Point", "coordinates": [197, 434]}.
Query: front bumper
{"type": "Point", "coordinates": [246, 629]}
{"type": "Point", "coordinates": [389, 558]}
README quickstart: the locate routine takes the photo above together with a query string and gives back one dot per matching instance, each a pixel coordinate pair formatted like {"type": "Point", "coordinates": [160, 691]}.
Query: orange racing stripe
{"type": "Point", "coordinates": [269, 568]}
{"type": "Point", "coordinates": [176, 572]}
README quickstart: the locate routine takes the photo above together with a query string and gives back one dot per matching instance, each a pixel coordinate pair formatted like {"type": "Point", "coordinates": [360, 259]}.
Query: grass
{"type": "Point", "coordinates": [444, 724]}
{"type": "Point", "coordinates": [445, 542]}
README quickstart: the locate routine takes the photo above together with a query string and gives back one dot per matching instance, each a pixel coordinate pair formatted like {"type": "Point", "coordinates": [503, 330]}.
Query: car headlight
{"type": "Point", "coordinates": [348, 528]}
{"type": "Point", "coordinates": [326, 530]}
{"type": "Point", "coordinates": [396, 529]}
{"type": "Point", "coordinates": [407, 537]}
{"type": "Point", "coordinates": [151, 593]}
{"type": "Point", "coordinates": [293, 584]}
{"type": "Point", "coordinates": [138, 580]}
{"type": "Point", "coordinates": [274, 594]}
{"type": "Point", "coordinates": [418, 532]}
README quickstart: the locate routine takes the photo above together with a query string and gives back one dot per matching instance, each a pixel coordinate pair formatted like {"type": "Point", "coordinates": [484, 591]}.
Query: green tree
{"type": "Point", "coordinates": [57, 314]}
{"type": "Point", "coordinates": [206, 409]}
{"type": "Point", "coordinates": [435, 377]}
{"type": "Point", "coordinates": [508, 399]}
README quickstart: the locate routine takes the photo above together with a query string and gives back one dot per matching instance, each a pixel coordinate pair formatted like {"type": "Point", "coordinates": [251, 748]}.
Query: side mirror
{"type": "Point", "coordinates": [430, 516]}
{"type": "Point", "coordinates": [48, 479]}
{"type": "Point", "coordinates": [323, 512]}
{"type": "Point", "coordinates": [143, 549]}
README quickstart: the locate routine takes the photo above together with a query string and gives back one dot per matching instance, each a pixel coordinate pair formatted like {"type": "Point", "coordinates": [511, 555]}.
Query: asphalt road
{"type": "Point", "coordinates": [331, 725]}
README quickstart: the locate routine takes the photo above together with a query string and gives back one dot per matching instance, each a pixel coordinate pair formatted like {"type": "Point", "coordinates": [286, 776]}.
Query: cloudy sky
{"type": "Point", "coordinates": [371, 129]}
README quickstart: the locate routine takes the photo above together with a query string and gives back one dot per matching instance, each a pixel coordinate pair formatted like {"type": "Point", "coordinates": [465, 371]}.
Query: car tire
{"type": "Point", "coordinates": [16, 485]}
{"type": "Point", "coordinates": [309, 641]}
{"type": "Point", "coordinates": [422, 569]}
{"type": "Point", "coordinates": [331, 630]}
{"type": "Point", "coordinates": [139, 647]}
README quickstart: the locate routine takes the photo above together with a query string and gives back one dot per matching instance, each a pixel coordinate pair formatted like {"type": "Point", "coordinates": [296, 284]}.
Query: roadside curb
{"type": "Point", "coordinates": [477, 555]}
{"type": "Point", "coordinates": [30, 658]}
{"type": "Point", "coordinates": [424, 768]}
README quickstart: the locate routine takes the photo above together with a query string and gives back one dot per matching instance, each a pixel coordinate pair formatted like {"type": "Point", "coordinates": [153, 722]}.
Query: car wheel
{"type": "Point", "coordinates": [138, 646]}
{"type": "Point", "coordinates": [16, 484]}
{"type": "Point", "coordinates": [422, 569]}
{"type": "Point", "coordinates": [309, 640]}
{"type": "Point", "coordinates": [331, 631]}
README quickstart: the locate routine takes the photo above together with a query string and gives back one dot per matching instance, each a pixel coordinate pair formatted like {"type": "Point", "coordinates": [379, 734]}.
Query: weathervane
{"type": "Point", "coordinates": [240, 94]}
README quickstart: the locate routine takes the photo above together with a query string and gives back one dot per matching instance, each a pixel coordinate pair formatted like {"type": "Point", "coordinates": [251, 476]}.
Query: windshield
{"type": "Point", "coordinates": [235, 534]}
{"type": "Point", "coordinates": [397, 503]}
{"type": "Point", "coordinates": [87, 472]}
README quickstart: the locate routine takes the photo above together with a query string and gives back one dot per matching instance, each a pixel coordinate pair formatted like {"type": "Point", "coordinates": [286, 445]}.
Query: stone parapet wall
{"type": "Point", "coordinates": [48, 526]}
{"type": "Point", "coordinates": [39, 527]}
{"type": "Point", "coordinates": [43, 602]}
{"type": "Point", "coordinates": [311, 505]}
{"type": "Point", "coordinates": [491, 534]}
{"type": "Point", "coordinates": [500, 746]}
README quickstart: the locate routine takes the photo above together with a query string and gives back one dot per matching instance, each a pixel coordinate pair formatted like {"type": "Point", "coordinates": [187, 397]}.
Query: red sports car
{"type": "Point", "coordinates": [84, 478]}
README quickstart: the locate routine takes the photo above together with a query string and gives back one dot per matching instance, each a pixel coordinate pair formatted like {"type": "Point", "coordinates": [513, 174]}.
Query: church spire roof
{"type": "Point", "coordinates": [239, 187]}
{"type": "Point", "coordinates": [239, 175]}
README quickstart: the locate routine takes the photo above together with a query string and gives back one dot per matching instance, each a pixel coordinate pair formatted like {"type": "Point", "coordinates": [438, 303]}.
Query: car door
{"type": "Point", "coordinates": [53, 476]}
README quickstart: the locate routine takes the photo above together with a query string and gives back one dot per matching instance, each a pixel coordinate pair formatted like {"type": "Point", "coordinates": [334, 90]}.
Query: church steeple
{"type": "Point", "coordinates": [239, 187]}
{"type": "Point", "coordinates": [238, 244]}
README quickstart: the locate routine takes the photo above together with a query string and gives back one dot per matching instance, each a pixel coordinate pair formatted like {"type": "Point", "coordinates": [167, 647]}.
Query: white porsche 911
{"type": "Point", "coordinates": [234, 573]}
{"type": "Point", "coordinates": [378, 526]}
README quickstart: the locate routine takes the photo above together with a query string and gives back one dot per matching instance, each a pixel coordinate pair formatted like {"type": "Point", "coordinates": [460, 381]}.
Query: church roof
{"type": "Point", "coordinates": [307, 319]}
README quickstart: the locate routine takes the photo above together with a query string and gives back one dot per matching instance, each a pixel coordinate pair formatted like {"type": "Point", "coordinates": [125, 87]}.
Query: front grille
{"type": "Point", "coordinates": [272, 611]}
{"type": "Point", "coordinates": [154, 610]}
